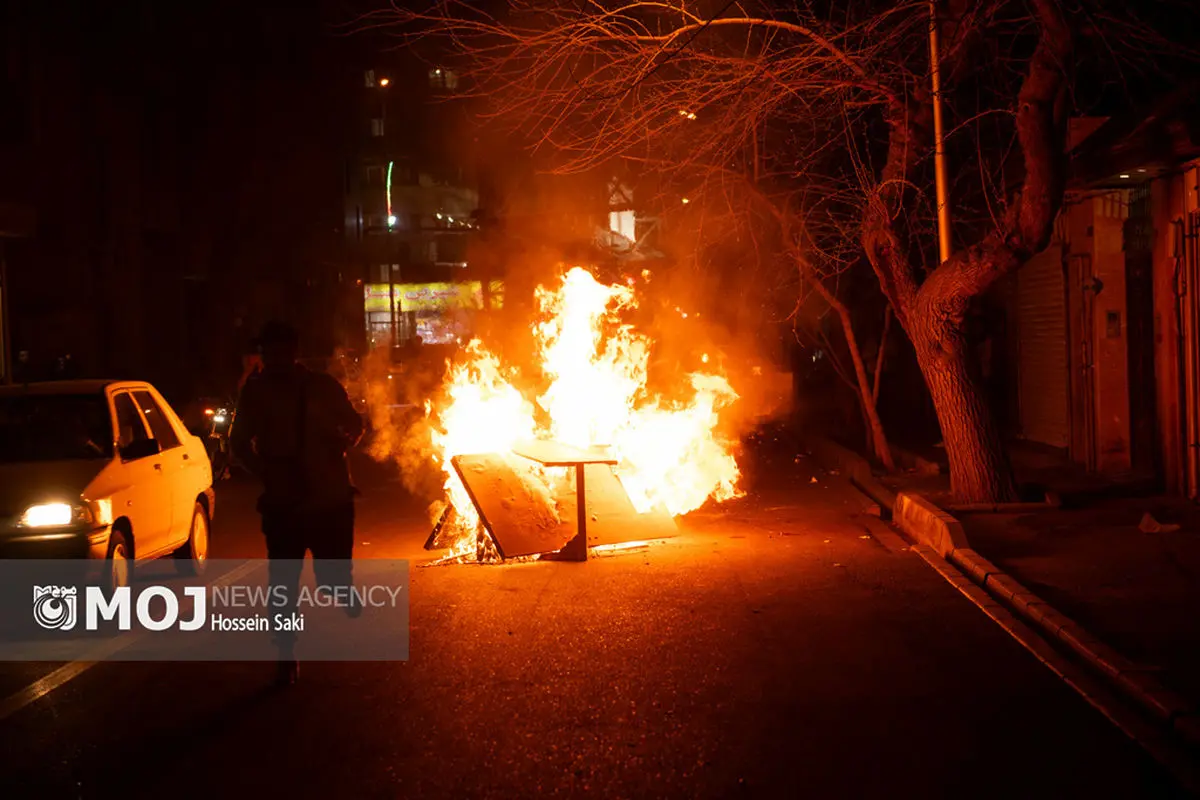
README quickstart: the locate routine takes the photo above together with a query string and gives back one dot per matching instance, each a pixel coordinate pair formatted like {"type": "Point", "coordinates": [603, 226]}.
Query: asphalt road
{"type": "Point", "coordinates": [775, 649]}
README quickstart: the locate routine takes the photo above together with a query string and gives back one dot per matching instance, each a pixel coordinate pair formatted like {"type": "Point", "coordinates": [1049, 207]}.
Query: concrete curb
{"type": "Point", "coordinates": [927, 524]}
{"type": "Point", "coordinates": [855, 467]}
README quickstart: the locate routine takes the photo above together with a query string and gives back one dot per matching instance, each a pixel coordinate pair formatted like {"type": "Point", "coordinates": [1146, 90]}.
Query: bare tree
{"type": "Point", "coordinates": [689, 87]}
{"type": "Point", "coordinates": [865, 385]}
{"type": "Point", "coordinates": [787, 224]}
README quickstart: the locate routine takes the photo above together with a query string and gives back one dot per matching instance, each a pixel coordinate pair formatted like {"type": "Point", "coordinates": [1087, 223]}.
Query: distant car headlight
{"type": "Point", "coordinates": [219, 418]}
{"type": "Point", "coordinates": [55, 515]}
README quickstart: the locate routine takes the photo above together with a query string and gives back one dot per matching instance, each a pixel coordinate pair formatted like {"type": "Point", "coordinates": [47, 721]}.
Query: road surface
{"type": "Point", "coordinates": [775, 649]}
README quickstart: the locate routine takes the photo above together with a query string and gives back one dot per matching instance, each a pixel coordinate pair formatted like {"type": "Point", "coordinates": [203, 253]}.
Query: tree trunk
{"type": "Point", "coordinates": [868, 436]}
{"type": "Point", "coordinates": [979, 468]}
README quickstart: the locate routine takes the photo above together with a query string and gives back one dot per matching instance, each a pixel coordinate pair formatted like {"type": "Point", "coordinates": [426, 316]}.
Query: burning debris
{"type": "Point", "coordinates": [517, 469]}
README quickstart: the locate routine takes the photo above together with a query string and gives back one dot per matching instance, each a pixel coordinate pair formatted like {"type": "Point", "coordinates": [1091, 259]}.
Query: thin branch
{"type": "Point", "coordinates": [887, 324]}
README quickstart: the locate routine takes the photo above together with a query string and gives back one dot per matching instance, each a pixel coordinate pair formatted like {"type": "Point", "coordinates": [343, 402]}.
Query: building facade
{"type": "Point", "coordinates": [410, 210]}
{"type": "Point", "coordinates": [1107, 319]}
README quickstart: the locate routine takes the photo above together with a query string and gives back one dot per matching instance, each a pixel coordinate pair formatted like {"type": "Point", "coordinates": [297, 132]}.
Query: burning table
{"type": "Point", "coordinates": [515, 521]}
{"type": "Point", "coordinates": [637, 459]}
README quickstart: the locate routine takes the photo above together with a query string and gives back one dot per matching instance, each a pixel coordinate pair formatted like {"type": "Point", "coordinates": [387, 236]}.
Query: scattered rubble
{"type": "Point", "coordinates": [1150, 525]}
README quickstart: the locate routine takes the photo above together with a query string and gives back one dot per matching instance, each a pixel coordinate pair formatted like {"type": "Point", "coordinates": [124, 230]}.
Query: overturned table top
{"type": "Point", "coordinates": [556, 454]}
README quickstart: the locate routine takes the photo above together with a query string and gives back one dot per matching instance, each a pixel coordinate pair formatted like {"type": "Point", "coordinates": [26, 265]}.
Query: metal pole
{"type": "Point", "coordinates": [392, 300]}
{"type": "Point", "coordinates": [939, 152]}
{"type": "Point", "coordinates": [6, 362]}
{"type": "Point", "coordinates": [578, 546]}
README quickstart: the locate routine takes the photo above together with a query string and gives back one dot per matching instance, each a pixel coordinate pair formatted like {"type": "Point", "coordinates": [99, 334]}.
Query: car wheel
{"type": "Point", "coordinates": [118, 564]}
{"type": "Point", "coordinates": [192, 558]}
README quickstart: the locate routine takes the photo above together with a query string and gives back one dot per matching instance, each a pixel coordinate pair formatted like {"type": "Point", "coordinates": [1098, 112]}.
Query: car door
{"type": "Point", "coordinates": [147, 495]}
{"type": "Point", "coordinates": [181, 469]}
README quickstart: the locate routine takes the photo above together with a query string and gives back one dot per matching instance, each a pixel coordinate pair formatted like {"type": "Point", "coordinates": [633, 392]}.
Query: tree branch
{"type": "Point", "coordinates": [1041, 134]}
{"type": "Point", "coordinates": [887, 324]}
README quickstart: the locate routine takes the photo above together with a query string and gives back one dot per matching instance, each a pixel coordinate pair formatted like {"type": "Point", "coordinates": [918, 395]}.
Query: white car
{"type": "Point", "coordinates": [101, 470]}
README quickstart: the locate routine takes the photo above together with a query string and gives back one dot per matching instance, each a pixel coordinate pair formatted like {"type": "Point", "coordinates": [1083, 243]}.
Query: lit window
{"type": "Point", "coordinates": [622, 222]}
{"type": "Point", "coordinates": [443, 79]}
{"type": "Point", "coordinates": [369, 78]}
{"type": "Point", "coordinates": [377, 127]}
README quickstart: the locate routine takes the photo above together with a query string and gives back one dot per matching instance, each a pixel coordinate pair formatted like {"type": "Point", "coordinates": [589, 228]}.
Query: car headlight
{"type": "Point", "coordinates": [55, 515]}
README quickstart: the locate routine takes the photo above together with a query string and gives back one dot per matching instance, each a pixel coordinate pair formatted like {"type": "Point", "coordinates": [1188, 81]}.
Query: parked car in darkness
{"type": "Point", "coordinates": [101, 470]}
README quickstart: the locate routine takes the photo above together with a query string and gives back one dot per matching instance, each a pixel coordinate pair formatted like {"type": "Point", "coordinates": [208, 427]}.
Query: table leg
{"type": "Point", "coordinates": [578, 545]}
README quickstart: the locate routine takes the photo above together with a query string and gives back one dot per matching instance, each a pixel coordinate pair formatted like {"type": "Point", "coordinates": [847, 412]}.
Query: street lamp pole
{"type": "Point", "coordinates": [943, 204]}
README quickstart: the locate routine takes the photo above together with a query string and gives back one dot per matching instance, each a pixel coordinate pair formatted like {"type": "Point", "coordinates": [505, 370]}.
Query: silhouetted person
{"type": "Point", "coordinates": [292, 430]}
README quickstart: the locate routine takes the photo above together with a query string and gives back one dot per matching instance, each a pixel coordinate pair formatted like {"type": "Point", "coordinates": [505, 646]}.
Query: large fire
{"type": "Point", "coordinates": [595, 376]}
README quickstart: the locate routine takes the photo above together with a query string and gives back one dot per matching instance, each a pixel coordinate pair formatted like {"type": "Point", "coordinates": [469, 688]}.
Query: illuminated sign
{"type": "Point", "coordinates": [431, 296]}
{"type": "Point", "coordinates": [391, 218]}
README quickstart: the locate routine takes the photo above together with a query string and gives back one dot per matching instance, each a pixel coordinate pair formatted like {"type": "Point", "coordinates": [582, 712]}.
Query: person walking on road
{"type": "Point", "coordinates": [293, 430]}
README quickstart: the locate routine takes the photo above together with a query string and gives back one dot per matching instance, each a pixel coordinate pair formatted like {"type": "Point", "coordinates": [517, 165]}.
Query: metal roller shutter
{"type": "Point", "coordinates": [1043, 379]}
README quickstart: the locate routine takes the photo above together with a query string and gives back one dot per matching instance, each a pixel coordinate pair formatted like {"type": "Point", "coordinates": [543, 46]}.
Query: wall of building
{"type": "Point", "coordinates": [1111, 361]}
{"type": "Point", "coordinates": [1104, 369]}
{"type": "Point", "coordinates": [1174, 197]}
{"type": "Point", "coordinates": [1167, 197]}
{"type": "Point", "coordinates": [1077, 221]}
{"type": "Point", "coordinates": [1190, 338]}
{"type": "Point", "coordinates": [1092, 228]}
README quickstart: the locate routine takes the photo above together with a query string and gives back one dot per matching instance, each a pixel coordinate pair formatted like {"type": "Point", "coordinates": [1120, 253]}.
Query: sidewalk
{"type": "Point", "coordinates": [1138, 592]}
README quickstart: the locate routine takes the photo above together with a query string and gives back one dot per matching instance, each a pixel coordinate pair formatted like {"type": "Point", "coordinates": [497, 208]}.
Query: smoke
{"type": "Point", "coordinates": [691, 332]}
{"type": "Point", "coordinates": [401, 433]}
{"type": "Point", "coordinates": [714, 308]}
{"type": "Point", "coordinates": [702, 323]}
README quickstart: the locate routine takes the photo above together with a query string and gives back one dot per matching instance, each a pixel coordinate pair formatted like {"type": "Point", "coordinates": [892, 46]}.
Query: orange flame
{"type": "Point", "coordinates": [669, 453]}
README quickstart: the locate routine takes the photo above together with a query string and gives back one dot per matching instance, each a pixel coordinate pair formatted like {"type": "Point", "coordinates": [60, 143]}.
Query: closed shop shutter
{"type": "Point", "coordinates": [1043, 380]}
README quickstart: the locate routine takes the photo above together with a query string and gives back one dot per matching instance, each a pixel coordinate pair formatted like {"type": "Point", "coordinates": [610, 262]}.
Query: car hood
{"type": "Point", "coordinates": [24, 484]}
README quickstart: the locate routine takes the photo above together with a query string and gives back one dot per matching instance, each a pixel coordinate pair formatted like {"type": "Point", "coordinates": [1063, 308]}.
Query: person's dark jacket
{"type": "Point", "coordinates": [301, 458]}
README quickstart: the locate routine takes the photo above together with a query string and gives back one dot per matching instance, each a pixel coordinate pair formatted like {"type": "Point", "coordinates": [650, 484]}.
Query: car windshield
{"type": "Point", "coordinates": [54, 427]}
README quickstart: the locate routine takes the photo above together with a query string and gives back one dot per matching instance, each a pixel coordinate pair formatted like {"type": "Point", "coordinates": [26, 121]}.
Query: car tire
{"type": "Point", "coordinates": [192, 557]}
{"type": "Point", "coordinates": [118, 563]}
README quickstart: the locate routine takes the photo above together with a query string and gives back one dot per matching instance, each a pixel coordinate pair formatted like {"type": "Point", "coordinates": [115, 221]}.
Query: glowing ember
{"type": "Point", "coordinates": [595, 370]}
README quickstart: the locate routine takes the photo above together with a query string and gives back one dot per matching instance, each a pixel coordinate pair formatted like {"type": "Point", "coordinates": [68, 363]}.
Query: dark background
{"type": "Point", "coordinates": [170, 174]}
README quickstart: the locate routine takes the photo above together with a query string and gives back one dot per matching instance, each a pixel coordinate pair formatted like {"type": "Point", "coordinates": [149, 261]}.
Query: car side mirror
{"type": "Point", "coordinates": [142, 448]}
